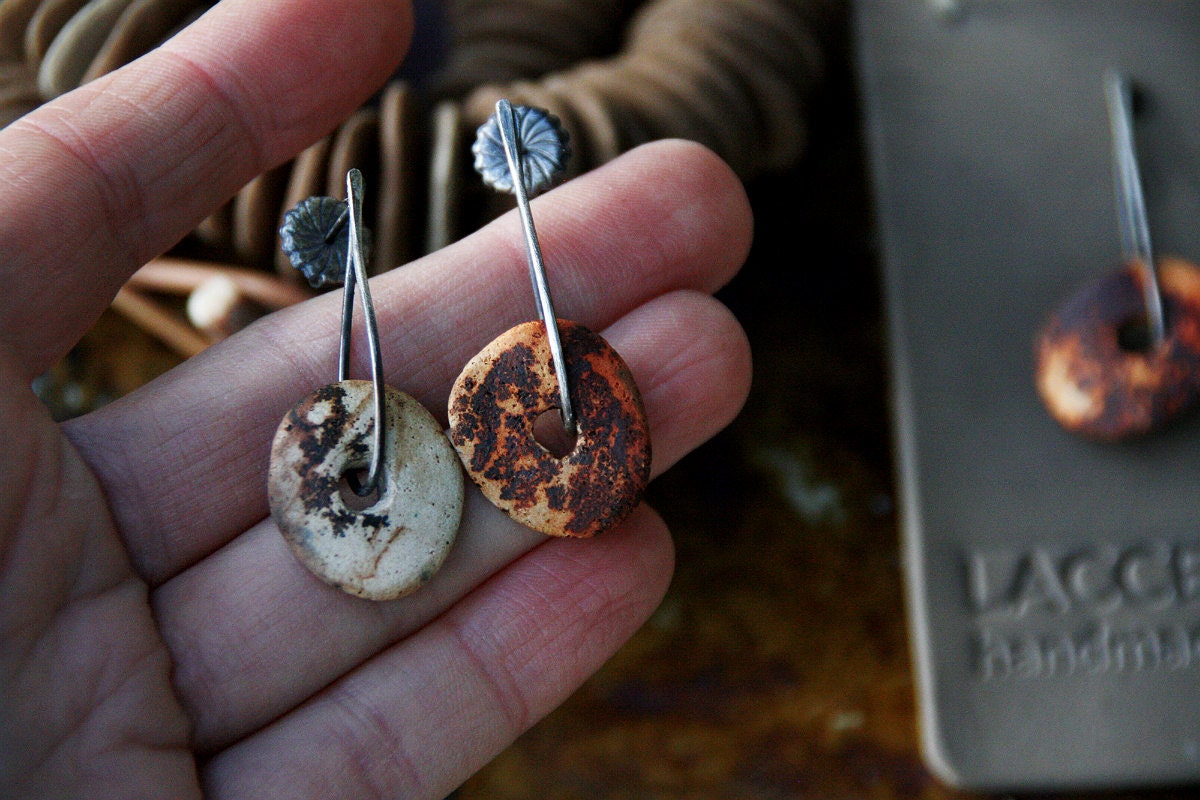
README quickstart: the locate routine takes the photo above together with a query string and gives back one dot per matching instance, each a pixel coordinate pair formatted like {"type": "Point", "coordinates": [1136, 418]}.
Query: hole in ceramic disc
{"type": "Point", "coordinates": [1133, 335]}
{"type": "Point", "coordinates": [354, 494]}
{"type": "Point", "coordinates": [548, 431]}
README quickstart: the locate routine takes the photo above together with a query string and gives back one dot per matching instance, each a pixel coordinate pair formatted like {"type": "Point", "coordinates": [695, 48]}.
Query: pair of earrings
{"type": "Point", "coordinates": [363, 483]}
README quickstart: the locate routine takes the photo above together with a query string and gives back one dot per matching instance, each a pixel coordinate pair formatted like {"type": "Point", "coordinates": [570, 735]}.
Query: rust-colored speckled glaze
{"type": "Point", "coordinates": [395, 544]}
{"type": "Point", "coordinates": [1094, 386]}
{"type": "Point", "coordinates": [504, 389]}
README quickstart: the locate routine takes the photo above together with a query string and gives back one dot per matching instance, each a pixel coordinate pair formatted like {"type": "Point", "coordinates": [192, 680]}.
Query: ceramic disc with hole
{"type": "Point", "coordinates": [499, 397]}
{"type": "Point", "coordinates": [390, 542]}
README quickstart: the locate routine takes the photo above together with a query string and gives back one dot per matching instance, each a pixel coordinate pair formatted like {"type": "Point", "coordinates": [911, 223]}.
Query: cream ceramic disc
{"type": "Point", "coordinates": [397, 543]}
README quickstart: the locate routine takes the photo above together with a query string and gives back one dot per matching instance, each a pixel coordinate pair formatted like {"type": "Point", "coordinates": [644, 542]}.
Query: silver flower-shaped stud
{"type": "Point", "coordinates": [316, 238]}
{"type": "Point", "coordinates": [544, 150]}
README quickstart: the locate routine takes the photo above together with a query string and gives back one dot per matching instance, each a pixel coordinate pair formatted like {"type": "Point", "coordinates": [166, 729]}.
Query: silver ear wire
{"type": "Point", "coordinates": [1131, 203]}
{"type": "Point", "coordinates": [550, 157]}
{"type": "Point", "coordinates": [356, 274]}
{"type": "Point", "coordinates": [325, 239]}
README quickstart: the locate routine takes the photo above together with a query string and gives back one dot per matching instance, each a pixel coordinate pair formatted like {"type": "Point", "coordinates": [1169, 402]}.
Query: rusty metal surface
{"type": "Point", "coordinates": [499, 396]}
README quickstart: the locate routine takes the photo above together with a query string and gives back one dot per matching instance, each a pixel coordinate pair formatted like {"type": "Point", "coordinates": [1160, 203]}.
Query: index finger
{"type": "Point", "coordinates": [97, 182]}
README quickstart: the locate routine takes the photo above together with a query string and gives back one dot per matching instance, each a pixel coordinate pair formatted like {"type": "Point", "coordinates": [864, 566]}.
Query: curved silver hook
{"type": "Point", "coordinates": [1131, 202]}
{"type": "Point", "coordinates": [356, 274]}
{"type": "Point", "coordinates": [514, 147]}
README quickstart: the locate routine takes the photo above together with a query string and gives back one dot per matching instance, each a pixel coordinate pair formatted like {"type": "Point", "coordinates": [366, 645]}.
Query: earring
{"type": "Point", "coordinates": [383, 534]}
{"type": "Point", "coordinates": [547, 365]}
{"type": "Point", "coordinates": [1122, 356]}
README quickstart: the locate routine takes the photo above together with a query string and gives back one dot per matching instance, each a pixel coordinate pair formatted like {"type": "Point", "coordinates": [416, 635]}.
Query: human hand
{"type": "Point", "coordinates": [157, 637]}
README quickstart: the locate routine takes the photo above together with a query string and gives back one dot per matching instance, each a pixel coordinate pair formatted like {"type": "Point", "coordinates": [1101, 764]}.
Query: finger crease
{"type": "Point", "coordinates": [496, 678]}
{"type": "Point", "coordinates": [377, 769]}
{"type": "Point", "coordinates": [118, 191]}
{"type": "Point", "coordinates": [250, 135]}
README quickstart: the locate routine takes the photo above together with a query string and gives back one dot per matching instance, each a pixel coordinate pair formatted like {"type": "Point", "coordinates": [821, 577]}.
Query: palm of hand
{"type": "Point", "coordinates": [89, 679]}
{"type": "Point", "coordinates": [157, 636]}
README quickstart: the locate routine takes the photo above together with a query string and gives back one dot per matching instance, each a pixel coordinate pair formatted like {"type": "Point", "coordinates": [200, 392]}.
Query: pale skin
{"type": "Point", "coordinates": [157, 638]}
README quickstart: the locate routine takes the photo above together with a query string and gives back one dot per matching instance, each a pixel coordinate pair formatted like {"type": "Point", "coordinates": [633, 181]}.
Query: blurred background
{"type": "Point", "coordinates": [777, 666]}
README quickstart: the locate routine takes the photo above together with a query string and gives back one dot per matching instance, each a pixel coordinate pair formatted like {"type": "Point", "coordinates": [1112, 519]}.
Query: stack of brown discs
{"type": "Point", "coordinates": [499, 41]}
{"type": "Point", "coordinates": [732, 74]}
{"type": "Point", "coordinates": [380, 140]}
{"type": "Point", "coordinates": [48, 47]}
